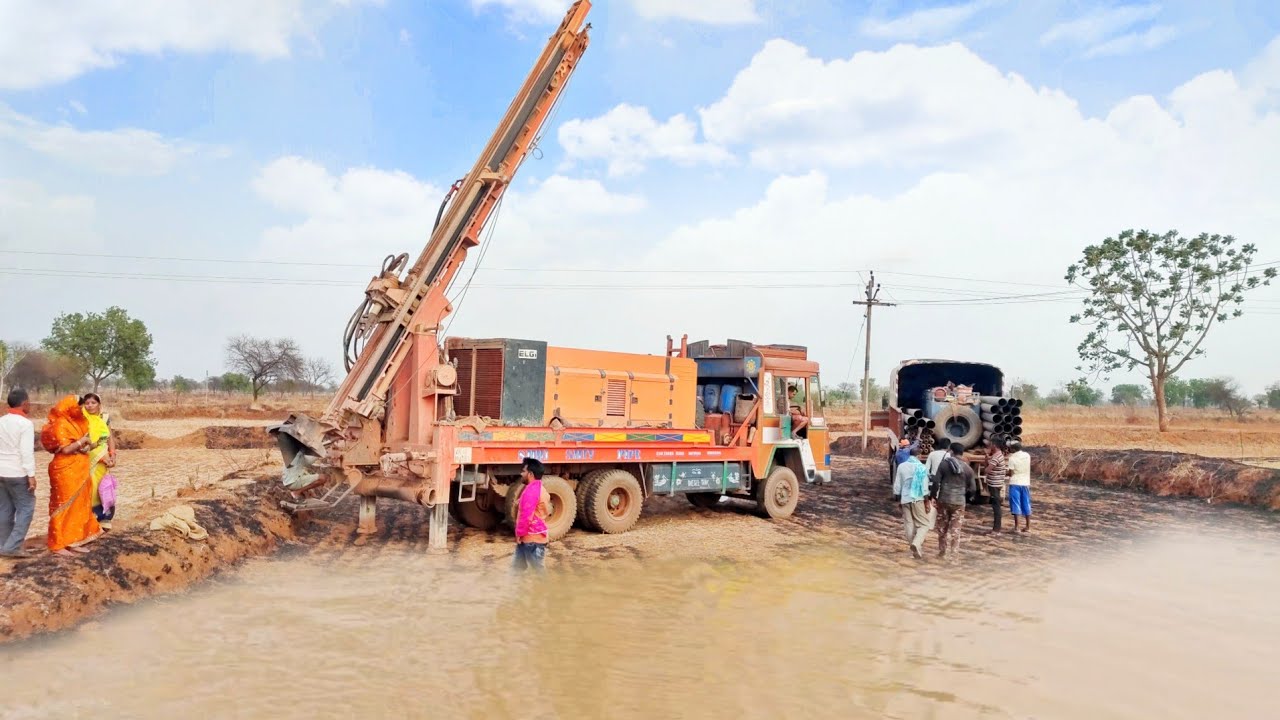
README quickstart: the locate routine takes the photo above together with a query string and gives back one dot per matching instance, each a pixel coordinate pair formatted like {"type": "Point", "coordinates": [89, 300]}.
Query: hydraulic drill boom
{"type": "Point", "coordinates": [379, 432]}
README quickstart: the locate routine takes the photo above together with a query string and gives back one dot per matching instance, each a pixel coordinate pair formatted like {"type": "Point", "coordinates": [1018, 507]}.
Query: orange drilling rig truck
{"type": "Point", "coordinates": [447, 422]}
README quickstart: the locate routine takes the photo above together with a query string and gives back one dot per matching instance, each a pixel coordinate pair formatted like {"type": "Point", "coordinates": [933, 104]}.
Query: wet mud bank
{"type": "Point", "coordinates": [46, 593]}
{"type": "Point", "coordinates": [1167, 474]}
{"type": "Point", "coordinates": [1160, 473]}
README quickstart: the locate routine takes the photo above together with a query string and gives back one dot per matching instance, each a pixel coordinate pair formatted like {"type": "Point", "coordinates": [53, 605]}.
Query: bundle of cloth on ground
{"type": "Point", "coordinates": [182, 520]}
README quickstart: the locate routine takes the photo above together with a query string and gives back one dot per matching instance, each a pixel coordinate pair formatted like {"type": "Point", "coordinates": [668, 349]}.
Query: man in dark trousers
{"type": "Point", "coordinates": [956, 482]}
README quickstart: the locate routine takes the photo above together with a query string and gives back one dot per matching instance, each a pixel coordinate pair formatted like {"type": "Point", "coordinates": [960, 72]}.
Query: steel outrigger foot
{"type": "Point", "coordinates": [334, 495]}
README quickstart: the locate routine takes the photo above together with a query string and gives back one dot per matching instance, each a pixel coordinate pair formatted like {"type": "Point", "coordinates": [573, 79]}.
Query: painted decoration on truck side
{"type": "Point", "coordinates": [695, 477]}
{"type": "Point", "coordinates": [589, 436]}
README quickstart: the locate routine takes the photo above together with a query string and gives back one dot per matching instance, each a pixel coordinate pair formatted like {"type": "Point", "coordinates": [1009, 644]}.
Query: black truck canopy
{"type": "Point", "coordinates": [912, 378]}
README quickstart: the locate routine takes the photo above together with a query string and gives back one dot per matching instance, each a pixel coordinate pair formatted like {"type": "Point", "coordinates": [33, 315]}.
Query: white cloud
{"type": "Point", "coordinates": [127, 151]}
{"type": "Point", "coordinates": [927, 23]}
{"type": "Point", "coordinates": [712, 12]}
{"type": "Point", "coordinates": [43, 43]}
{"type": "Point", "coordinates": [907, 106]}
{"type": "Point", "coordinates": [530, 11]}
{"type": "Point", "coordinates": [78, 107]}
{"type": "Point", "coordinates": [627, 137]}
{"type": "Point", "coordinates": [1129, 43]}
{"type": "Point", "coordinates": [1110, 31]}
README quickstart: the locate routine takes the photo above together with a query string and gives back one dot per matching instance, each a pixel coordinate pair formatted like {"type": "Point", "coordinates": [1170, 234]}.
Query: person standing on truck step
{"type": "Point", "coordinates": [911, 484]}
{"type": "Point", "coordinates": [17, 474]}
{"type": "Point", "coordinates": [997, 474]}
{"type": "Point", "coordinates": [1019, 485]}
{"type": "Point", "coordinates": [955, 482]}
{"type": "Point", "coordinates": [532, 510]}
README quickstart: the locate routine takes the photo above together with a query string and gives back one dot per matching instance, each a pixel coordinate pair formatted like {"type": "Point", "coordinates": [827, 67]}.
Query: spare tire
{"type": "Point", "coordinates": [959, 423]}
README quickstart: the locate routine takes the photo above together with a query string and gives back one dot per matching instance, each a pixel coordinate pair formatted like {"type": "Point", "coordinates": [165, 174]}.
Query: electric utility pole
{"type": "Point", "coordinates": [873, 294]}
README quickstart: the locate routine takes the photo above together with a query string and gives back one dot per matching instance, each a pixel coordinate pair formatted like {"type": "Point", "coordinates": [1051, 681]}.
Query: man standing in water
{"type": "Point", "coordinates": [1019, 485]}
{"type": "Point", "coordinates": [533, 507]}
{"type": "Point", "coordinates": [955, 483]}
{"type": "Point", "coordinates": [17, 474]}
{"type": "Point", "coordinates": [911, 483]}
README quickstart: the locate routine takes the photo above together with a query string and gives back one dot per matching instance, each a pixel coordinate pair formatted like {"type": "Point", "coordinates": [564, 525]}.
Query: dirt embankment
{"type": "Point", "coordinates": [1162, 473]}
{"type": "Point", "coordinates": [47, 593]}
{"type": "Point", "coordinates": [217, 437]}
{"type": "Point", "coordinates": [1168, 474]}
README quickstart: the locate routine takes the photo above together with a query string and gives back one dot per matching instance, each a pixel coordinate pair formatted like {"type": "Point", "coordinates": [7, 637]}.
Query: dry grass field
{"type": "Point", "coordinates": [1212, 433]}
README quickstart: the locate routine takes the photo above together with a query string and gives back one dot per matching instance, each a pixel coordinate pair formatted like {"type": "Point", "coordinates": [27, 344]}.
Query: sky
{"type": "Point", "coordinates": [725, 169]}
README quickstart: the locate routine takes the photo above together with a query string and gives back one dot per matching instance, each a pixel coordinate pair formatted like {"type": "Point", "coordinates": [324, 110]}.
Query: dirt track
{"type": "Point", "coordinates": [854, 513]}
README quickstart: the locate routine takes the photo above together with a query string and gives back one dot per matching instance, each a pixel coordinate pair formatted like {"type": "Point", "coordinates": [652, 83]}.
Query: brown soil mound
{"type": "Point", "coordinates": [47, 593]}
{"type": "Point", "coordinates": [237, 438]}
{"type": "Point", "coordinates": [851, 445]}
{"type": "Point", "coordinates": [1162, 473]}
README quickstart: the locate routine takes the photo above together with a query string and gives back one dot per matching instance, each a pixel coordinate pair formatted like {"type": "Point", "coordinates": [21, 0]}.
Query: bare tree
{"type": "Point", "coordinates": [10, 355]}
{"type": "Point", "coordinates": [264, 361]}
{"type": "Point", "coordinates": [317, 373]}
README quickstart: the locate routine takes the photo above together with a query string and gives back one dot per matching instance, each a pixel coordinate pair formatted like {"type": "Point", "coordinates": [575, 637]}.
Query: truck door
{"type": "Point", "coordinates": [818, 435]}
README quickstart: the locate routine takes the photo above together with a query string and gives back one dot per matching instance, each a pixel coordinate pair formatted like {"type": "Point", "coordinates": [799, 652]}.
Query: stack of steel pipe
{"type": "Point", "coordinates": [1001, 416]}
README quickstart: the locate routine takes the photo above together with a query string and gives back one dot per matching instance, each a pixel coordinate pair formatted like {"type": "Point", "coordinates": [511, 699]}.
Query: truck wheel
{"type": "Point", "coordinates": [564, 506]}
{"type": "Point", "coordinates": [959, 423]}
{"type": "Point", "coordinates": [580, 494]}
{"type": "Point", "coordinates": [614, 500]}
{"type": "Point", "coordinates": [512, 501]}
{"type": "Point", "coordinates": [704, 500]}
{"type": "Point", "coordinates": [480, 513]}
{"type": "Point", "coordinates": [778, 495]}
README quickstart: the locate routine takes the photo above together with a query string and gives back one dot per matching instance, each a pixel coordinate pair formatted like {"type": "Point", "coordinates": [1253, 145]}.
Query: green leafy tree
{"type": "Point", "coordinates": [236, 383]}
{"type": "Point", "coordinates": [182, 385]}
{"type": "Point", "coordinates": [1153, 299]}
{"type": "Point", "coordinates": [1177, 391]}
{"type": "Point", "coordinates": [141, 376]}
{"type": "Point", "coordinates": [1128, 394]}
{"type": "Point", "coordinates": [1198, 392]}
{"type": "Point", "coordinates": [1081, 393]}
{"type": "Point", "coordinates": [1225, 393]}
{"type": "Point", "coordinates": [106, 345]}
{"type": "Point", "coordinates": [1271, 398]}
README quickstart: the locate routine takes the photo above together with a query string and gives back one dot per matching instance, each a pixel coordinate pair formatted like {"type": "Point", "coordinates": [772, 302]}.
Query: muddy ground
{"type": "Point", "coordinates": [46, 594]}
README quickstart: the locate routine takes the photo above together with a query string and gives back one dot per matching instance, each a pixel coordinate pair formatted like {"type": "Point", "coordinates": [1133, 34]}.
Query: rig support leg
{"type": "Point", "coordinates": [438, 527]}
{"type": "Point", "coordinates": [368, 516]}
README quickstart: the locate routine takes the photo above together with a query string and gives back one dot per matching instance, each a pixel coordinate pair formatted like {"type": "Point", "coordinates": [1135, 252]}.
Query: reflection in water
{"type": "Point", "coordinates": [1181, 625]}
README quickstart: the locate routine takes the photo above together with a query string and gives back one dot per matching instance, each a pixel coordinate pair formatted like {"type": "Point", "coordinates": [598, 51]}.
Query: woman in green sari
{"type": "Point", "coordinates": [102, 456]}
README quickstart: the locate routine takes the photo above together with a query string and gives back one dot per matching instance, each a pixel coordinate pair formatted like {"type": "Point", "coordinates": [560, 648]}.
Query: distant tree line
{"type": "Point", "coordinates": [111, 349]}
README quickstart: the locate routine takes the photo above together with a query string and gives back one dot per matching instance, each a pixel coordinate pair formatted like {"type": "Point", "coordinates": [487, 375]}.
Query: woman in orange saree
{"type": "Point", "coordinates": [71, 521]}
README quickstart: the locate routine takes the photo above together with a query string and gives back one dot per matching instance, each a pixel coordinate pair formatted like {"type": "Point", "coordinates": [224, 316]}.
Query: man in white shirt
{"type": "Point", "coordinates": [1019, 485]}
{"type": "Point", "coordinates": [17, 474]}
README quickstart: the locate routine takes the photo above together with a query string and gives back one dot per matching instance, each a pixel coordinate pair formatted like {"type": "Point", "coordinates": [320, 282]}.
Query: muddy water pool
{"type": "Point", "coordinates": [1176, 621]}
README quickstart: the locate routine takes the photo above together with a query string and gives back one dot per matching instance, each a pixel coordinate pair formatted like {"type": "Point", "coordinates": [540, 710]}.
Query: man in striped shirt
{"type": "Point", "coordinates": [996, 475]}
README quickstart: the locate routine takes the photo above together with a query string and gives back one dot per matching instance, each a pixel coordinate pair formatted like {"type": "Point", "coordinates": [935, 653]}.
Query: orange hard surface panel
{"type": "Point", "coordinates": [593, 388]}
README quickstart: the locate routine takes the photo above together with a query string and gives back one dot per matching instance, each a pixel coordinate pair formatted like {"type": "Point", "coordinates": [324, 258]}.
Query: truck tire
{"type": "Point", "coordinates": [958, 423]}
{"type": "Point", "coordinates": [778, 495]}
{"type": "Point", "coordinates": [704, 500]}
{"type": "Point", "coordinates": [481, 513]}
{"type": "Point", "coordinates": [564, 506]}
{"type": "Point", "coordinates": [580, 494]}
{"type": "Point", "coordinates": [614, 500]}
